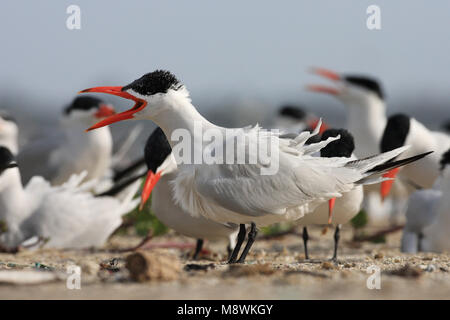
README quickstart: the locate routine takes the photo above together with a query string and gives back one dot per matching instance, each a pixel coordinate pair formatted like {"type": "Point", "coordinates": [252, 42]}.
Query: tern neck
{"type": "Point", "coordinates": [10, 142]}
{"type": "Point", "coordinates": [367, 122]}
{"type": "Point", "coordinates": [180, 114]}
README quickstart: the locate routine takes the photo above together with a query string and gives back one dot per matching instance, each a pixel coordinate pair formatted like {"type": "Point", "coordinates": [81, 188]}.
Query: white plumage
{"type": "Point", "coordinates": [71, 151]}
{"type": "Point", "coordinates": [174, 217]}
{"type": "Point", "coordinates": [436, 237]}
{"type": "Point", "coordinates": [424, 172]}
{"type": "Point", "coordinates": [67, 216]}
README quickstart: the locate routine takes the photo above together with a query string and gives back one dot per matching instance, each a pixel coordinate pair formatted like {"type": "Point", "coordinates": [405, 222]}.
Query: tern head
{"type": "Point", "coordinates": [395, 132]}
{"type": "Point", "coordinates": [446, 126]}
{"type": "Point", "coordinates": [152, 93]}
{"type": "Point", "coordinates": [394, 136]}
{"type": "Point", "coordinates": [156, 154]}
{"type": "Point", "coordinates": [294, 116]}
{"type": "Point", "coordinates": [445, 164]}
{"type": "Point", "coordinates": [350, 89]}
{"type": "Point", "coordinates": [87, 110]}
{"type": "Point", "coordinates": [342, 147]}
{"type": "Point", "coordinates": [296, 113]}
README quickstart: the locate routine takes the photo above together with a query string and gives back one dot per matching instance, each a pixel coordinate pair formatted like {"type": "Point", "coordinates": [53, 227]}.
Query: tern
{"type": "Point", "coordinates": [74, 151]}
{"type": "Point", "coordinates": [404, 130]}
{"type": "Point", "coordinates": [420, 214]}
{"type": "Point", "coordinates": [295, 119]}
{"type": "Point", "coordinates": [235, 192]}
{"type": "Point", "coordinates": [162, 169]}
{"type": "Point", "coordinates": [337, 211]}
{"type": "Point", "coordinates": [67, 216]}
{"type": "Point", "coordinates": [364, 99]}
{"type": "Point", "coordinates": [436, 237]}
{"type": "Point", "coordinates": [9, 132]}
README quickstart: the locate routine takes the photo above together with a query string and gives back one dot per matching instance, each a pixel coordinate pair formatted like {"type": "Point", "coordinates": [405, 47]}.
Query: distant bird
{"type": "Point", "coordinates": [65, 216]}
{"type": "Point", "coordinates": [420, 214]}
{"type": "Point", "coordinates": [341, 210]}
{"type": "Point", "coordinates": [366, 119]}
{"type": "Point", "coordinates": [403, 130]}
{"type": "Point", "coordinates": [446, 126]}
{"type": "Point", "coordinates": [8, 132]}
{"type": "Point", "coordinates": [236, 192]}
{"type": "Point", "coordinates": [428, 224]}
{"type": "Point", "coordinates": [73, 151]}
{"type": "Point", "coordinates": [295, 119]}
{"type": "Point", "coordinates": [162, 169]}
{"type": "Point", "coordinates": [366, 109]}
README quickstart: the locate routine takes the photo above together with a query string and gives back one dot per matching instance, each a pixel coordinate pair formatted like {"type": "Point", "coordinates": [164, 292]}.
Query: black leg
{"type": "Point", "coordinates": [229, 250]}
{"type": "Point", "coordinates": [251, 238]}
{"type": "Point", "coordinates": [240, 240]}
{"type": "Point", "coordinates": [198, 249]}
{"type": "Point", "coordinates": [305, 242]}
{"type": "Point", "coordinates": [419, 242]}
{"type": "Point", "coordinates": [337, 236]}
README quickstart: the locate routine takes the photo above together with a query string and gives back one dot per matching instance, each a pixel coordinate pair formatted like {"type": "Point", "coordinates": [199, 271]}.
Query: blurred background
{"type": "Point", "coordinates": [240, 60]}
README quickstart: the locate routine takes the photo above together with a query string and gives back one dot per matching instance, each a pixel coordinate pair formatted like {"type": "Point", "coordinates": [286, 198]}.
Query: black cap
{"type": "Point", "coordinates": [83, 103]}
{"type": "Point", "coordinates": [159, 81]}
{"type": "Point", "coordinates": [366, 83]}
{"type": "Point", "coordinates": [445, 160]}
{"type": "Point", "coordinates": [342, 147]}
{"type": "Point", "coordinates": [295, 112]}
{"type": "Point", "coordinates": [7, 159]}
{"type": "Point", "coordinates": [395, 132]}
{"type": "Point", "coordinates": [157, 149]}
{"type": "Point", "coordinates": [446, 126]}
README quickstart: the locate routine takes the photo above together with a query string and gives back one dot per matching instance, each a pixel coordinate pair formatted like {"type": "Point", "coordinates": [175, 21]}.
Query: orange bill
{"type": "Point", "coordinates": [314, 123]}
{"type": "Point", "coordinates": [105, 111]}
{"type": "Point", "coordinates": [330, 209]}
{"type": "Point", "coordinates": [322, 89]}
{"type": "Point", "coordinates": [117, 91]}
{"type": "Point", "coordinates": [326, 73]}
{"type": "Point", "coordinates": [387, 184]}
{"type": "Point", "coordinates": [150, 183]}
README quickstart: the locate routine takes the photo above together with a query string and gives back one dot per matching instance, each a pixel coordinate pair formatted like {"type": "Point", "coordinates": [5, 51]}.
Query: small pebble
{"type": "Point", "coordinates": [327, 265]}
{"type": "Point", "coordinates": [379, 255]}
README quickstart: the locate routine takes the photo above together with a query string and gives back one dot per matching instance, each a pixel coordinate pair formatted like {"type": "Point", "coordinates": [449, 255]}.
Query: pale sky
{"type": "Point", "coordinates": [222, 49]}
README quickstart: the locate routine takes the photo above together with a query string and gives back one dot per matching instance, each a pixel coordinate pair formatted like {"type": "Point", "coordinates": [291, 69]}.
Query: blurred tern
{"type": "Point", "coordinates": [239, 193]}
{"type": "Point", "coordinates": [420, 214]}
{"type": "Point", "coordinates": [294, 119]}
{"type": "Point", "coordinates": [67, 216]}
{"type": "Point", "coordinates": [366, 119]}
{"type": "Point", "coordinates": [436, 237]}
{"type": "Point", "coordinates": [162, 169]}
{"type": "Point", "coordinates": [74, 151]}
{"type": "Point", "coordinates": [403, 130]}
{"type": "Point", "coordinates": [364, 98]}
{"type": "Point", "coordinates": [337, 211]}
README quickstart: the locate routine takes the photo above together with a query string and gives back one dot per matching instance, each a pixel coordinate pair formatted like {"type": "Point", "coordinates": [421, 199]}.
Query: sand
{"type": "Point", "coordinates": [275, 269]}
